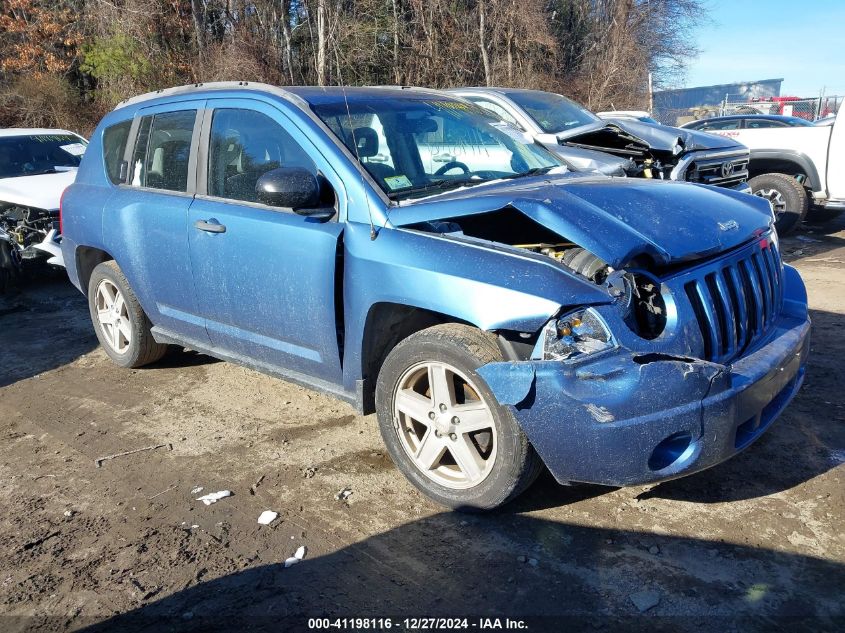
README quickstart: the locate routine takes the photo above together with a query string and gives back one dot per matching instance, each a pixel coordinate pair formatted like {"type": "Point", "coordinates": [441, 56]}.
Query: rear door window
{"type": "Point", "coordinates": [163, 150]}
{"type": "Point", "coordinates": [755, 124]}
{"type": "Point", "coordinates": [114, 147]}
{"type": "Point", "coordinates": [732, 124]}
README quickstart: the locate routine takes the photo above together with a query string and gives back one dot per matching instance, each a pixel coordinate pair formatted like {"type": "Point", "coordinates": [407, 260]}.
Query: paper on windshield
{"type": "Point", "coordinates": [74, 149]}
{"type": "Point", "coordinates": [397, 182]}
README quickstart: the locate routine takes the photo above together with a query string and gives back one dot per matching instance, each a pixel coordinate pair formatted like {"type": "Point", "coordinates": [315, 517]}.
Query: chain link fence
{"type": "Point", "coordinates": [809, 109]}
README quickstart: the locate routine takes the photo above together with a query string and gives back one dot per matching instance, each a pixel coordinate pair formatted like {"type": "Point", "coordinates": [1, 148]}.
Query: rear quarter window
{"type": "Point", "coordinates": [114, 147]}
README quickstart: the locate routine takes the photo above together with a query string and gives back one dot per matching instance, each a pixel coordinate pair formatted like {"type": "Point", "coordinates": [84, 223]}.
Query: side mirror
{"type": "Point", "coordinates": [290, 187]}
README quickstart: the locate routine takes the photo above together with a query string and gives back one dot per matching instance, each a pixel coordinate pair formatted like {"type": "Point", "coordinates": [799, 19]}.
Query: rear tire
{"type": "Point", "coordinates": [503, 463]}
{"type": "Point", "coordinates": [122, 327]}
{"type": "Point", "coordinates": [789, 200]}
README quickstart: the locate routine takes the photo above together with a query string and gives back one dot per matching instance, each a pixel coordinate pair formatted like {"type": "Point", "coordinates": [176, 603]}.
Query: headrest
{"type": "Point", "coordinates": [366, 140]}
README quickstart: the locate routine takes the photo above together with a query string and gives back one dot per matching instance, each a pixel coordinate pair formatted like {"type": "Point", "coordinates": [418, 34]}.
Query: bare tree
{"type": "Point", "coordinates": [321, 42]}
{"type": "Point", "coordinates": [482, 43]}
{"type": "Point", "coordinates": [597, 51]}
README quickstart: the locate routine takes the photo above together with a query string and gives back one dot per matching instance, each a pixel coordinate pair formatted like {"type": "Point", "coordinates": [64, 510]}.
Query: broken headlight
{"type": "Point", "coordinates": [576, 334]}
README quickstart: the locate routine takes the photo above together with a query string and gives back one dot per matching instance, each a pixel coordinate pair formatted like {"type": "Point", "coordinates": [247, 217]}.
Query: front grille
{"type": "Point", "coordinates": [737, 302]}
{"type": "Point", "coordinates": [722, 172]}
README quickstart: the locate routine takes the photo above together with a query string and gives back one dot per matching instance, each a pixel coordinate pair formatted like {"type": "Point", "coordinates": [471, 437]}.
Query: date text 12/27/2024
{"type": "Point", "coordinates": [417, 624]}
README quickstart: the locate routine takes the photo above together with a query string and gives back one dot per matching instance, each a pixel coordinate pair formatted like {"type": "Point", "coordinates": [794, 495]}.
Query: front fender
{"type": "Point", "coordinates": [491, 289]}
{"type": "Point", "coordinates": [800, 159]}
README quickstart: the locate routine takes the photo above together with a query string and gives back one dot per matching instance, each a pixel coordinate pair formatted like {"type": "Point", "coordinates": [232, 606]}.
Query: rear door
{"type": "Point", "coordinates": [265, 277]}
{"type": "Point", "coordinates": [145, 219]}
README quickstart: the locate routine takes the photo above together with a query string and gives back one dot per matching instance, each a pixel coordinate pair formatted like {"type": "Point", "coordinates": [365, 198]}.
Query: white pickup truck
{"type": "Point", "coordinates": [796, 166]}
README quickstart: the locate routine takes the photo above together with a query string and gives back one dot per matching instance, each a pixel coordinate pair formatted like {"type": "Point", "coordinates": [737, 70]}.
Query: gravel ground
{"type": "Point", "coordinates": [754, 544]}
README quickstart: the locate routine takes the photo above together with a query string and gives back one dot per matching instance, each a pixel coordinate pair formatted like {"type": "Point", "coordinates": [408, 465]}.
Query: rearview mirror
{"type": "Point", "coordinates": [289, 187]}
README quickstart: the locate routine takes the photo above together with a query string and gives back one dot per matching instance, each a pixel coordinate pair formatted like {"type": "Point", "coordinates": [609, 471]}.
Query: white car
{"type": "Point", "coordinates": [794, 166]}
{"type": "Point", "coordinates": [36, 165]}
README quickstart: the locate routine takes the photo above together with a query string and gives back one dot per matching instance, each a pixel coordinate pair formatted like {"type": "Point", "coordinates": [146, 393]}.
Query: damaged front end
{"type": "Point", "coordinates": [605, 400]}
{"type": "Point", "coordinates": [695, 341]}
{"type": "Point", "coordinates": [28, 235]}
{"type": "Point", "coordinates": [665, 153]}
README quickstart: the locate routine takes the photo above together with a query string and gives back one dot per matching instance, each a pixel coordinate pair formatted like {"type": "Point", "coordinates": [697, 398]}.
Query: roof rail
{"type": "Point", "coordinates": [212, 85]}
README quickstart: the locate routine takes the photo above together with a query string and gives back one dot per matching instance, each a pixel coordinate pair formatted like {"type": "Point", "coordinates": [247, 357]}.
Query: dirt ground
{"type": "Point", "coordinates": [754, 544]}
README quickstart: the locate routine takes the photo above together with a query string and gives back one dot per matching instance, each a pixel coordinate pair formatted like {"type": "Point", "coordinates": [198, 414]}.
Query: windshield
{"type": "Point", "coordinates": [39, 154]}
{"type": "Point", "coordinates": [419, 147]}
{"type": "Point", "coordinates": [552, 112]}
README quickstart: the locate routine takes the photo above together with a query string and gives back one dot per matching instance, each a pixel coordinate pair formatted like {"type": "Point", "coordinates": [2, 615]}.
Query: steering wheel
{"type": "Point", "coordinates": [452, 164]}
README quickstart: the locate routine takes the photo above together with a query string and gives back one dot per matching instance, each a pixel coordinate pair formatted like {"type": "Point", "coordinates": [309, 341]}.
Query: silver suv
{"type": "Point", "coordinates": [616, 147]}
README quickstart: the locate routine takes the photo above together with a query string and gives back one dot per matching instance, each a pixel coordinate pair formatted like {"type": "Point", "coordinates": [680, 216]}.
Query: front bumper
{"type": "Point", "coordinates": [624, 418]}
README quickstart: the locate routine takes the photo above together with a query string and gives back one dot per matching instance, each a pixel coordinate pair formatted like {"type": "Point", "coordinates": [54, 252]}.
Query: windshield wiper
{"type": "Point", "coordinates": [534, 171]}
{"type": "Point", "coordinates": [436, 185]}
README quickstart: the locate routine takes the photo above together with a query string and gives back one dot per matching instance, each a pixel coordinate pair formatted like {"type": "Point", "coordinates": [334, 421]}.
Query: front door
{"type": "Point", "coordinates": [265, 277]}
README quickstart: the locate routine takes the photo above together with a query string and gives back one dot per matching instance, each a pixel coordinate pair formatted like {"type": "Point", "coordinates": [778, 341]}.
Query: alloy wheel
{"type": "Point", "coordinates": [775, 198]}
{"type": "Point", "coordinates": [113, 316]}
{"type": "Point", "coordinates": [444, 425]}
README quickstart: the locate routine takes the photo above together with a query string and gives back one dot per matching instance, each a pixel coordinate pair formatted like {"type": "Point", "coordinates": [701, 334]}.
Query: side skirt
{"type": "Point", "coordinates": [163, 336]}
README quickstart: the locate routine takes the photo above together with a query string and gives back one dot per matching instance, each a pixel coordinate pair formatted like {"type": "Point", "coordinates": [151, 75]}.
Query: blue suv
{"type": "Point", "coordinates": [399, 250]}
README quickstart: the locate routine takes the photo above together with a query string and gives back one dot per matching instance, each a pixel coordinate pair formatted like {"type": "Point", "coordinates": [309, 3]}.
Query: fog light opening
{"type": "Point", "coordinates": [675, 448]}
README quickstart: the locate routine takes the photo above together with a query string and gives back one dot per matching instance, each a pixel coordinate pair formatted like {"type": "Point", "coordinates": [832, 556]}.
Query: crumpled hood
{"type": "Point", "coordinates": [617, 219]}
{"type": "Point", "coordinates": [658, 137]}
{"type": "Point", "coordinates": [42, 192]}
{"type": "Point", "coordinates": [582, 159]}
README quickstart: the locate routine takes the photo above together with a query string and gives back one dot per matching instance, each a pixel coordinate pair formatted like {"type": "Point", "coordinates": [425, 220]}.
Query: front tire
{"type": "Point", "coordinates": [442, 425]}
{"type": "Point", "coordinates": [787, 196]}
{"type": "Point", "coordinates": [122, 327]}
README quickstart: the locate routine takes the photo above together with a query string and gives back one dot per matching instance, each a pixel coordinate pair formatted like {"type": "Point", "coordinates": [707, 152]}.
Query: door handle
{"type": "Point", "coordinates": [210, 226]}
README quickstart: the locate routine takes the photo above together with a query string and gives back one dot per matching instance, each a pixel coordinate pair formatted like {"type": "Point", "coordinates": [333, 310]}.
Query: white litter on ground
{"type": "Point", "coordinates": [297, 557]}
{"type": "Point", "coordinates": [214, 497]}
{"type": "Point", "coordinates": [267, 517]}
{"type": "Point", "coordinates": [344, 494]}
{"type": "Point", "coordinates": [196, 490]}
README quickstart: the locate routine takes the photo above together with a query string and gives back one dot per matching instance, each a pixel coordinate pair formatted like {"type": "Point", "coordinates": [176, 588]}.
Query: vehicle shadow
{"type": "Point", "coordinates": [557, 576]}
{"type": "Point", "coordinates": [43, 325]}
{"type": "Point", "coordinates": [813, 240]}
{"type": "Point", "coordinates": [177, 357]}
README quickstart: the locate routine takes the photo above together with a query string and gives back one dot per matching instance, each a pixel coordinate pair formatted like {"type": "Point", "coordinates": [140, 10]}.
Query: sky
{"type": "Point", "coordinates": [802, 41]}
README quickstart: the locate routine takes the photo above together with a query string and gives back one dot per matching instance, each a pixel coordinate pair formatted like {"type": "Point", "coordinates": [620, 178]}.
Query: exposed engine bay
{"type": "Point", "coordinates": [27, 236]}
{"type": "Point", "coordinates": [652, 151]}
{"type": "Point", "coordinates": [634, 290]}
{"type": "Point", "coordinates": [643, 161]}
